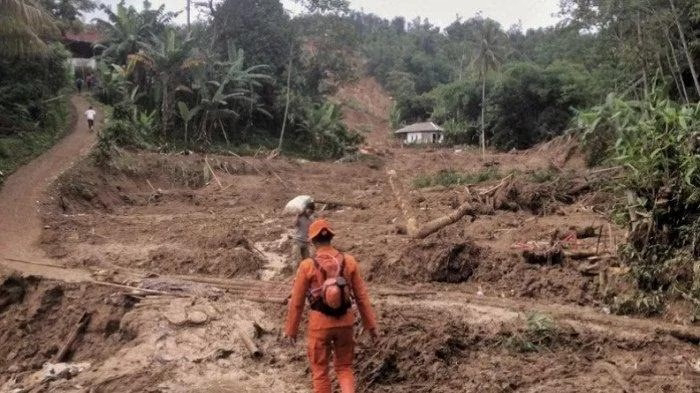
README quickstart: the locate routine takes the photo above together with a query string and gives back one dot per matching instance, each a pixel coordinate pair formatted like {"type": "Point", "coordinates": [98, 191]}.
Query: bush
{"type": "Point", "coordinates": [657, 141]}
{"type": "Point", "coordinates": [530, 103]}
{"type": "Point", "coordinates": [450, 178]}
{"type": "Point", "coordinates": [321, 134]}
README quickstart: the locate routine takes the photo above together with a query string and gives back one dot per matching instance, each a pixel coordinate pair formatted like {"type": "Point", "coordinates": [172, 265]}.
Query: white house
{"type": "Point", "coordinates": [427, 132]}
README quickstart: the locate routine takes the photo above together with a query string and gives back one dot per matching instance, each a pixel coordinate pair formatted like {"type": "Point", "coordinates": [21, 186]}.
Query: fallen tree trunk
{"type": "Point", "coordinates": [77, 331]}
{"type": "Point", "coordinates": [439, 223]}
{"type": "Point", "coordinates": [411, 223]}
{"type": "Point", "coordinates": [333, 202]}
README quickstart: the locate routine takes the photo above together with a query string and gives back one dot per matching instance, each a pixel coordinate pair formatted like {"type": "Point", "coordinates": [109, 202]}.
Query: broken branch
{"type": "Point", "coordinates": [496, 187]}
{"type": "Point", "coordinates": [206, 161]}
{"type": "Point", "coordinates": [77, 331]}
{"type": "Point", "coordinates": [356, 205]}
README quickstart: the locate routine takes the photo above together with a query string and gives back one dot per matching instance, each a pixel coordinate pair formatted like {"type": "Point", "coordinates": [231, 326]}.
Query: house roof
{"type": "Point", "coordinates": [89, 35]}
{"type": "Point", "coordinates": [428, 126]}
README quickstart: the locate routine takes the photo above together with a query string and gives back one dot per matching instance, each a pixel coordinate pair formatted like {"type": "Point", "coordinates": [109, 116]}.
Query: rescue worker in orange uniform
{"type": "Point", "coordinates": [330, 281]}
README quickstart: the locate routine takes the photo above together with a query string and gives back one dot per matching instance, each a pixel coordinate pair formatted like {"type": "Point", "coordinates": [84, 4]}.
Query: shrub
{"type": "Point", "coordinates": [450, 178]}
{"type": "Point", "coordinates": [657, 141]}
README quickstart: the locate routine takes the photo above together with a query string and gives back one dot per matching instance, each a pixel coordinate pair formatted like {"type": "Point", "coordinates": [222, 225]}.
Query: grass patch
{"type": "Point", "coordinates": [540, 333]}
{"type": "Point", "coordinates": [542, 175]}
{"type": "Point", "coordinates": [451, 178]}
{"type": "Point", "coordinates": [18, 149]}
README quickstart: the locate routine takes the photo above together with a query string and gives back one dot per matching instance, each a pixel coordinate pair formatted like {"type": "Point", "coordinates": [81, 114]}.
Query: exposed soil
{"type": "Point", "coordinates": [176, 263]}
{"type": "Point", "coordinates": [39, 315]}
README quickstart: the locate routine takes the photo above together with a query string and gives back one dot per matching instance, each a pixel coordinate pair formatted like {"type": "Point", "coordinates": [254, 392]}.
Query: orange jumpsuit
{"type": "Point", "coordinates": [328, 333]}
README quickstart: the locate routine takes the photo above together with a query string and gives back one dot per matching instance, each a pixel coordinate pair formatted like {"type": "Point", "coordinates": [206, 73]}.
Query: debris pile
{"type": "Point", "coordinates": [448, 256]}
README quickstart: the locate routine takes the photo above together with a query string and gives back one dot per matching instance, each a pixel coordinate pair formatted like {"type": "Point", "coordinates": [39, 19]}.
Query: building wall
{"type": "Point", "coordinates": [423, 137]}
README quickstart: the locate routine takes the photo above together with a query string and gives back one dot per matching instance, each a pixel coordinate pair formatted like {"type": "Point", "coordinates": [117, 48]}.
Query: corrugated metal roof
{"type": "Point", "coordinates": [427, 126]}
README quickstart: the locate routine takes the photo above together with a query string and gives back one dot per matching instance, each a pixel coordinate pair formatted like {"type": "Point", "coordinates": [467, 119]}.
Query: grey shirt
{"type": "Point", "coordinates": [302, 228]}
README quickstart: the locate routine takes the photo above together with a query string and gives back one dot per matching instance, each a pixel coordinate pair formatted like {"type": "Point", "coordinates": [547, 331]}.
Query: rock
{"type": "Point", "coordinates": [176, 317]}
{"type": "Point", "coordinates": [53, 371]}
{"type": "Point", "coordinates": [197, 317]}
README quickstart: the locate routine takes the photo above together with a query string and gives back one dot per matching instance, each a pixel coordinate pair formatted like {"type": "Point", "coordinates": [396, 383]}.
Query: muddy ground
{"type": "Point", "coordinates": [460, 310]}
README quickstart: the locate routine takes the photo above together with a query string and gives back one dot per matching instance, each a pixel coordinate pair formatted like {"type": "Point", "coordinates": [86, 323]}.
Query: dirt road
{"type": "Point", "coordinates": [23, 191]}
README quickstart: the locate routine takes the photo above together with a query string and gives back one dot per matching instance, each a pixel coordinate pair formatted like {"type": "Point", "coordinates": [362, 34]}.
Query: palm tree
{"type": "Point", "coordinates": [24, 28]}
{"type": "Point", "coordinates": [489, 53]}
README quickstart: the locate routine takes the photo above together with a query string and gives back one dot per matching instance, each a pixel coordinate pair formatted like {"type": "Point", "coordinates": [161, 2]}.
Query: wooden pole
{"type": "Point", "coordinates": [77, 331]}
{"type": "Point", "coordinates": [286, 105]}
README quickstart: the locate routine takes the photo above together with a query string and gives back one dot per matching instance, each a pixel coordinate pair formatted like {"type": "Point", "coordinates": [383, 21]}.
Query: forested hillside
{"type": "Point", "coordinates": [533, 82]}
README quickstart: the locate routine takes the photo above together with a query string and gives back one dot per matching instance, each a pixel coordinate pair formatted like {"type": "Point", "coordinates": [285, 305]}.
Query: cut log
{"type": "Point", "coordinates": [580, 254]}
{"type": "Point", "coordinates": [439, 223]}
{"type": "Point", "coordinates": [77, 331]}
{"type": "Point", "coordinates": [248, 343]}
{"type": "Point", "coordinates": [411, 223]}
{"type": "Point", "coordinates": [333, 202]}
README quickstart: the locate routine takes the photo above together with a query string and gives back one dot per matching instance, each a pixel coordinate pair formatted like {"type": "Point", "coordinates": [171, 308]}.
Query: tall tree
{"type": "Point", "coordinates": [24, 28]}
{"type": "Point", "coordinates": [489, 53]}
{"type": "Point", "coordinates": [68, 12]}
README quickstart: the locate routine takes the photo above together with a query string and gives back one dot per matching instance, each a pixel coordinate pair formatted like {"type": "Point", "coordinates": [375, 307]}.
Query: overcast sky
{"type": "Point", "coordinates": [529, 13]}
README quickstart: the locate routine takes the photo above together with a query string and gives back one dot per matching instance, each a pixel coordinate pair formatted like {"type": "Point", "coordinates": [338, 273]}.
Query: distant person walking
{"type": "Point", "coordinates": [89, 81]}
{"type": "Point", "coordinates": [90, 116]}
{"type": "Point", "coordinates": [79, 84]}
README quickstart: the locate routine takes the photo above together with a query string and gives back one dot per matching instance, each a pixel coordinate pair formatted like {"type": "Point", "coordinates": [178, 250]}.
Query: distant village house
{"type": "Point", "coordinates": [421, 133]}
{"type": "Point", "coordinates": [82, 48]}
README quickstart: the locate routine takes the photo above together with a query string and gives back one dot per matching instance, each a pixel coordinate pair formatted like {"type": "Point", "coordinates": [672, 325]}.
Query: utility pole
{"type": "Point", "coordinates": [189, 3]}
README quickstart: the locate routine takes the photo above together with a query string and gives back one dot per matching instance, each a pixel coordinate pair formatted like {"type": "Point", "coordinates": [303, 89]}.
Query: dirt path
{"type": "Point", "coordinates": [20, 223]}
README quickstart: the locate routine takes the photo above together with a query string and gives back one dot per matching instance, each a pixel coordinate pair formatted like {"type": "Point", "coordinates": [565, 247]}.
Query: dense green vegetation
{"type": "Point", "coordinates": [658, 142]}
{"type": "Point", "coordinates": [33, 77]}
{"type": "Point", "coordinates": [531, 83]}
{"type": "Point", "coordinates": [237, 81]}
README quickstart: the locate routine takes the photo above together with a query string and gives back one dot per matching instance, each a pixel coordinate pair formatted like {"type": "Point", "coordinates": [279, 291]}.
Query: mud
{"type": "Point", "coordinates": [39, 316]}
{"type": "Point", "coordinates": [443, 257]}
{"type": "Point", "coordinates": [437, 351]}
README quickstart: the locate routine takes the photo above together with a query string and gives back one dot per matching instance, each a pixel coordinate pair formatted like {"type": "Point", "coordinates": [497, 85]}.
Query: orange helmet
{"type": "Point", "coordinates": [318, 227]}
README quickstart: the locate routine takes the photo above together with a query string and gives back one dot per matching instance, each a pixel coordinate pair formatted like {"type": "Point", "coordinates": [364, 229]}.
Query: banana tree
{"type": "Point", "coordinates": [168, 58]}
{"type": "Point", "coordinates": [187, 115]}
{"type": "Point", "coordinates": [225, 91]}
